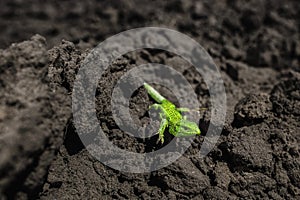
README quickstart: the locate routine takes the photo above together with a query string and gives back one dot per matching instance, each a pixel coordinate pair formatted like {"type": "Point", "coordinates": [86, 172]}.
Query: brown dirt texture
{"type": "Point", "coordinates": [255, 45]}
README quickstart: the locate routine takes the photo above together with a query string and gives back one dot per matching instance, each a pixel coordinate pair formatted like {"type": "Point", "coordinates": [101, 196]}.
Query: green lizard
{"type": "Point", "coordinates": [171, 117]}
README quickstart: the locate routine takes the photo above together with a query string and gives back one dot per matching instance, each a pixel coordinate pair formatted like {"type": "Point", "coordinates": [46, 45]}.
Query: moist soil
{"type": "Point", "coordinates": [255, 45]}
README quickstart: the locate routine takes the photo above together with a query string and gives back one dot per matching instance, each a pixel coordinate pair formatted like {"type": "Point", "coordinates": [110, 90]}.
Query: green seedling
{"type": "Point", "coordinates": [171, 117]}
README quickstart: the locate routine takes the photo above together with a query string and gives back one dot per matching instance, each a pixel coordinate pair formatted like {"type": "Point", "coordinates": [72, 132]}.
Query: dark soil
{"type": "Point", "coordinates": [256, 47]}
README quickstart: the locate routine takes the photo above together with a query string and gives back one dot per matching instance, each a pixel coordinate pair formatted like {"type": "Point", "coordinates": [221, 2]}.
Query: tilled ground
{"type": "Point", "coordinates": [256, 47]}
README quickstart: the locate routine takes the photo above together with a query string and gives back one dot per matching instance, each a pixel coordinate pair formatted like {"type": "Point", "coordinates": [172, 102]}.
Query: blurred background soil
{"type": "Point", "coordinates": [256, 46]}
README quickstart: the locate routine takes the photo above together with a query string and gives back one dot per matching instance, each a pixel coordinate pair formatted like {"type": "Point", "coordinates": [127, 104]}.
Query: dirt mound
{"type": "Point", "coordinates": [255, 45]}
